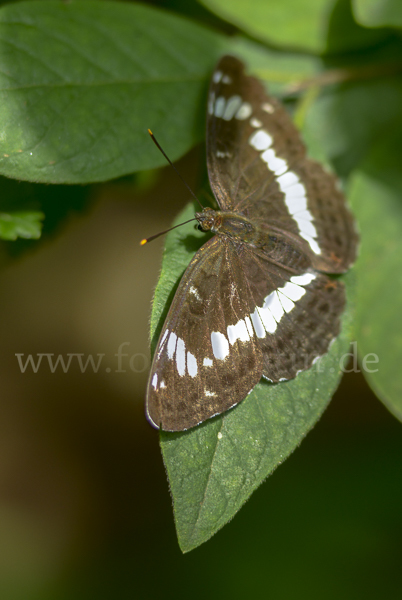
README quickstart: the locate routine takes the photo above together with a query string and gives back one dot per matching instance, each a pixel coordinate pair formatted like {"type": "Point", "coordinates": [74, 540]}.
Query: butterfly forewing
{"type": "Point", "coordinates": [207, 358]}
{"type": "Point", "coordinates": [258, 166]}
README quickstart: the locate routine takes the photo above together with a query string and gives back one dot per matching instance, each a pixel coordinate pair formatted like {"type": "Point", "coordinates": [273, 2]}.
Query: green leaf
{"type": "Point", "coordinates": [378, 13]}
{"type": "Point", "coordinates": [316, 26]}
{"type": "Point", "coordinates": [21, 224]}
{"type": "Point", "coordinates": [348, 120]}
{"type": "Point", "coordinates": [376, 198]}
{"type": "Point", "coordinates": [81, 82]}
{"type": "Point", "coordinates": [346, 35]}
{"type": "Point", "coordinates": [282, 70]}
{"type": "Point", "coordinates": [292, 23]}
{"type": "Point", "coordinates": [215, 467]}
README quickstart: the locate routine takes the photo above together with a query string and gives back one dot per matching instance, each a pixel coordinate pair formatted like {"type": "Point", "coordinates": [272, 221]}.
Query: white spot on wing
{"type": "Point", "coordinates": [258, 324]}
{"type": "Point", "coordinates": [155, 381]}
{"type": "Point", "coordinates": [260, 140]}
{"type": "Point", "coordinates": [162, 384]}
{"type": "Point", "coordinates": [244, 111]}
{"type": "Point", "coordinates": [275, 164]}
{"type": "Point", "coordinates": [255, 122]}
{"type": "Point", "coordinates": [313, 244]}
{"type": "Point", "coordinates": [164, 337]}
{"type": "Point", "coordinates": [221, 154]}
{"type": "Point", "coordinates": [226, 79]}
{"type": "Point", "coordinates": [193, 290]}
{"type": "Point", "coordinates": [208, 393]}
{"type": "Point", "coordinates": [295, 191]}
{"type": "Point", "coordinates": [286, 180]}
{"type": "Point", "coordinates": [220, 345]}
{"type": "Point", "coordinates": [162, 342]}
{"type": "Point", "coordinates": [287, 304]}
{"type": "Point", "coordinates": [238, 332]}
{"type": "Point", "coordinates": [207, 362]}
{"type": "Point", "coordinates": [232, 106]}
{"type": "Point", "coordinates": [273, 304]}
{"type": "Point", "coordinates": [191, 365]}
{"type": "Point", "coordinates": [267, 319]}
{"type": "Point", "coordinates": [305, 214]}
{"type": "Point", "coordinates": [219, 106]}
{"type": "Point", "coordinates": [171, 347]}
{"type": "Point", "coordinates": [268, 108]}
{"type": "Point", "coordinates": [304, 279]}
{"type": "Point", "coordinates": [181, 357]}
{"type": "Point", "coordinates": [292, 291]}
{"type": "Point", "coordinates": [217, 76]}
{"type": "Point", "coordinates": [211, 102]}
{"type": "Point", "coordinates": [296, 205]}
{"type": "Point", "coordinates": [249, 327]}
{"type": "Point", "coordinates": [305, 226]}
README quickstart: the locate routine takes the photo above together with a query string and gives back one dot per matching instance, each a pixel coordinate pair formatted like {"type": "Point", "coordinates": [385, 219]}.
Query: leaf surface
{"type": "Point", "coordinates": [81, 82]}
{"type": "Point", "coordinates": [314, 26]}
{"type": "Point", "coordinates": [378, 13]}
{"type": "Point", "coordinates": [293, 23]}
{"type": "Point", "coordinates": [375, 194]}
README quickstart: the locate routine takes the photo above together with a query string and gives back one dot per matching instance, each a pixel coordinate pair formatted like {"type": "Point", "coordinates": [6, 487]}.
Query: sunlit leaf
{"type": "Point", "coordinates": [81, 82]}
{"type": "Point", "coordinates": [311, 25]}
{"type": "Point", "coordinates": [293, 23]}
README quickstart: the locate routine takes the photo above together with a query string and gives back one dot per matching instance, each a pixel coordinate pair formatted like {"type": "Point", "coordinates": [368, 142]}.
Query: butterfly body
{"type": "Point", "coordinates": [230, 224]}
{"type": "Point", "coordinates": [257, 299]}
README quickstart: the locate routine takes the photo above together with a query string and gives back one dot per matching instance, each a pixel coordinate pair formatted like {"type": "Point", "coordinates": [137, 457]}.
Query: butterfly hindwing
{"type": "Point", "coordinates": [300, 314]}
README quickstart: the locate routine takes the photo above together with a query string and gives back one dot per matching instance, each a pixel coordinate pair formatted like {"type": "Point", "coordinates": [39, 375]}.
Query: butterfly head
{"type": "Point", "coordinates": [209, 219]}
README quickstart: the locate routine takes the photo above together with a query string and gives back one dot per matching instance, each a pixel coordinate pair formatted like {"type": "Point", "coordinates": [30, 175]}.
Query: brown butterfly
{"type": "Point", "coordinates": [256, 299]}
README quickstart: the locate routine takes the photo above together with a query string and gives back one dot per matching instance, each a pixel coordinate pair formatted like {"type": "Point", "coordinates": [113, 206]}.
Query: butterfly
{"type": "Point", "coordinates": [256, 299]}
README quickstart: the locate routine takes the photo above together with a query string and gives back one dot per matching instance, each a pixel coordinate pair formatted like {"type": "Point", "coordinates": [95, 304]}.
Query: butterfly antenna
{"type": "Point", "coordinates": [153, 237]}
{"type": "Point", "coordinates": [157, 144]}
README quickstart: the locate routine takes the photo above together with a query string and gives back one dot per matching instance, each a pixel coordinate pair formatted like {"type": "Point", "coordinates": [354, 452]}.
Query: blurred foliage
{"type": "Point", "coordinates": [20, 224]}
{"type": "Point", "coordinates": [82, 81]}
{"type": "Point", "coordinates": [55, 203]}
{"type": "Point", "coordinates": [378, 13]}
